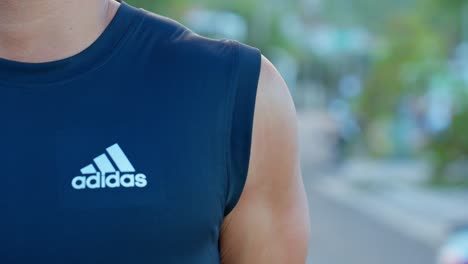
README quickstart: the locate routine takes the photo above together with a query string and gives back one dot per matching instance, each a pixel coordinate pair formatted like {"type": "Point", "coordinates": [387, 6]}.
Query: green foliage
{"type": "Point", "coordinates": [452, 144]}
{"type": "Point", "coordinates": [418, 44]}
{"type": "Point", "coordinates": [405, 66]}
{"type": "Point", "coordinates": [173, 8]}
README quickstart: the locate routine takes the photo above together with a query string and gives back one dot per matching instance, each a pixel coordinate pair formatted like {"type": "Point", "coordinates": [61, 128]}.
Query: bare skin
{"type": "Point", "coordinates": [48, 30]}
{"type": "Point", "coordinates": [270, 223]}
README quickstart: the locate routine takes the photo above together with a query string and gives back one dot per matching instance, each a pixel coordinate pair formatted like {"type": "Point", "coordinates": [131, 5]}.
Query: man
{"type": "Point", "coordinates": [126, 138]}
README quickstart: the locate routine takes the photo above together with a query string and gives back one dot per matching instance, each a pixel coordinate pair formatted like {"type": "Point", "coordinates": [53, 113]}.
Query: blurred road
{"type": "Point", "coordinates": [341, 235]}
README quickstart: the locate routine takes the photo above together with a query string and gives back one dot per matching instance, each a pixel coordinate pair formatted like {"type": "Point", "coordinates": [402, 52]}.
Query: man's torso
{"type": "Point", "coordinates": [121, 159]}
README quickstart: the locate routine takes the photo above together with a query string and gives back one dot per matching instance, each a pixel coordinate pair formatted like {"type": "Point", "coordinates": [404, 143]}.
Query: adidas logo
{"type": "Point", "coordinates": [108, 176]}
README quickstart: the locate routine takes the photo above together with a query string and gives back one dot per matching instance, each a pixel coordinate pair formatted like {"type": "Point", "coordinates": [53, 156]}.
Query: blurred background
{"type": "Point", "coordinates": [382, 93]}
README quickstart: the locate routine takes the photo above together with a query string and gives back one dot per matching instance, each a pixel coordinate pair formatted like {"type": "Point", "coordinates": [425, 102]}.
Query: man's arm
{"type": "Point", "coordinates": [270, 224]}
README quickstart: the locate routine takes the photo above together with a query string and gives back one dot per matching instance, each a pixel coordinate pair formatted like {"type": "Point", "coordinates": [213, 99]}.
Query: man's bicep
{"type": "Point", "coordinates": [270, 222]}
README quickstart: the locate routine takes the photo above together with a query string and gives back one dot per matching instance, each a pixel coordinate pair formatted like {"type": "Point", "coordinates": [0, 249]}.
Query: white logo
{"type": "Point", "coordinates": [108, 176]}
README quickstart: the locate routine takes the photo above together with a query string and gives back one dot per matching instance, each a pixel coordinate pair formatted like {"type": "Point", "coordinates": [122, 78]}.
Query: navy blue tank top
{"type": "Point", "coordinates": [132, 151]}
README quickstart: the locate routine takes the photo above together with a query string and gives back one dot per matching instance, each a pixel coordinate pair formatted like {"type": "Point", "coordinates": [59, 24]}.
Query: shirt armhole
{"type": "Point", "coordinates": [244, 84]}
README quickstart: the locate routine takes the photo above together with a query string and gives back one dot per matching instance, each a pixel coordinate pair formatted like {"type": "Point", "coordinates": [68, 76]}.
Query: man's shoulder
{"type": "Point", "coordinates": [173, 36]}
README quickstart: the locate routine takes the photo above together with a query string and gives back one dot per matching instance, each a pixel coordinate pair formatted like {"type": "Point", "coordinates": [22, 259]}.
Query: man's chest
{"type": "Point", "coordinates": [107, 180]}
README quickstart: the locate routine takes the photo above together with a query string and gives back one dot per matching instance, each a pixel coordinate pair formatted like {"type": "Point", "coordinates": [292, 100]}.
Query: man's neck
{"type": "Point", "coordinates": [48, 30]}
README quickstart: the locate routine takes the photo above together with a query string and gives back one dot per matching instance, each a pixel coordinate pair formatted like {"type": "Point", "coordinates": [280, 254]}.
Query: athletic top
{"type": "Point", "coordinates": [132, 151]}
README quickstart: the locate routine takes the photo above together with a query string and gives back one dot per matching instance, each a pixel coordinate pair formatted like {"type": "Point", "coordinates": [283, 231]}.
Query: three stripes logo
{"type": "Point", "coordinates": [108, 176]}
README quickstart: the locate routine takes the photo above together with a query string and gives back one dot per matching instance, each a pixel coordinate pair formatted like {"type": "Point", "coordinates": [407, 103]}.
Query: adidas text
{"type": "Point", "coordinates": [114, 180]}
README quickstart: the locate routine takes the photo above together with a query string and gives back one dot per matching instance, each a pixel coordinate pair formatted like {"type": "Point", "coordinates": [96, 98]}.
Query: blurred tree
{"type": "Point", "coordinates": [172, 8]}
{"type": "Point", "coordinates": [413, 53]}
{"type": "Point", "coordinates": [419, 45]}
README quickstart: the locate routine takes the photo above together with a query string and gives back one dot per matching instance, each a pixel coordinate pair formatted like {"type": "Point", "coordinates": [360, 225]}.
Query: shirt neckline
{"type": "Point", "coordinates": [32, 74]}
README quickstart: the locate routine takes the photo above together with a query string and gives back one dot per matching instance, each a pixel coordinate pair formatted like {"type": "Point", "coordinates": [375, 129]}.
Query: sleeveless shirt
{"type": "Point", "coordinates": [131, 151]}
